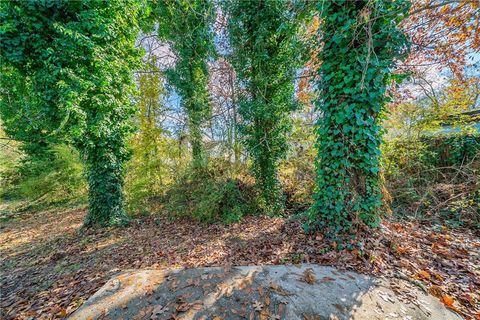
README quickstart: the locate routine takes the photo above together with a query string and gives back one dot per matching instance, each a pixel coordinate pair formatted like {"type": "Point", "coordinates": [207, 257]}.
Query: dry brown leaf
{"type": "Point", "coordinates": [401, 250]}
{"type": "Point", "coordinates": [257, 305]}
{"type": "Point", "coordinates": [197, 305]}
{"type": "Point", "coordinates": [174, 285]}
{"type": "Point", "coordinates": [267, 300]}
{"type": "Point", "coordinates": [436, 290]}
{"type": "Point", "coordinates": [308, 276]}
{"type": "Point", "coordinates": [423, 274]}
{"type": "Point", "coordinates": [260, 291]}
{"type": "Point", "coordinates": [273, 285]}
{"type": "Point", "coordinates": [264, 314]}
{"type": "Point", "coordinates": [62, 313]}
{"type": "Point", "coordinates": [149, 291]}
{"type": "Point", "coordinates": [158, 311]}
{"type": "Point", "coordinates": [326, 279]}
{"type": "Point", "coordinates": [181, 305]}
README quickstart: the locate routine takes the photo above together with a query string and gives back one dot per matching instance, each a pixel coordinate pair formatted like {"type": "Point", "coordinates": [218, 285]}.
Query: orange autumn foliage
{"type": "Point", "coordinates": [443, 33]}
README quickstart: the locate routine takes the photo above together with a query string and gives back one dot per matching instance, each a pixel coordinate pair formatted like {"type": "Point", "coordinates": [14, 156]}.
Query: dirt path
{"type": "Point", "coordinates": [49, 268]}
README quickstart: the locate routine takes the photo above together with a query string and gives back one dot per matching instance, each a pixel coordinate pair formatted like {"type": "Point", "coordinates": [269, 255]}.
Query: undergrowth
{"type": "Point", "coordinates": [34, 184]}
{"type": "Point", "coordinates": [431, 179]}
{"type": "Point", "coordinates": [435, 179]}
{"type": "Point", "coordinates": [211, 195]}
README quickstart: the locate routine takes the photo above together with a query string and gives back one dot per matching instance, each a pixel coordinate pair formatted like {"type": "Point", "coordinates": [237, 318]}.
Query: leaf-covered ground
{"type": "Point", "coordinates": [49, 267]}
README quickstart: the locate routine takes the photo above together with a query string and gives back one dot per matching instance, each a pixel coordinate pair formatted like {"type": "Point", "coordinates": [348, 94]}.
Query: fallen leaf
{"type": "Point", "coordinates": [308, 276]}
{"type": "Point", "coordinates": [326, 279]}
{"type": "Point", "coordinates": [447, 300]}
{"type": "Point", "coordinates": [273, 285]}
{"type": "Point", "coordinates": [436, 290]}
{"type": "Point", "coordinates": [423, 274]}
{"type": "Point", "coordinates": [260, 291]}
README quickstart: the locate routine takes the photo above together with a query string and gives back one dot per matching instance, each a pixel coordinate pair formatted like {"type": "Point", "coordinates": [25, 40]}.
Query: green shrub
{"type": "Point", "coordinates": [451, 150]}
{"type": "Point", "coordinates": [40, 181]}
{"type": "Point", "coordinates": [9, 159]}
{"type": "Point", "coordinates": [210, 195]}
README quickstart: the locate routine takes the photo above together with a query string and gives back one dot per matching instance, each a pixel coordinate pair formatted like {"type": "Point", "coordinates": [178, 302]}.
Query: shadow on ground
{"type": "Point", "coordinates": [49, 267]}
{"type": "Point", "coordinates": [303, 292]}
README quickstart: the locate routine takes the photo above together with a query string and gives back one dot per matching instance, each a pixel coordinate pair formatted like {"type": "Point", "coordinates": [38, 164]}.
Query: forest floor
{"type": "Point", "coordinates": [49, 266]}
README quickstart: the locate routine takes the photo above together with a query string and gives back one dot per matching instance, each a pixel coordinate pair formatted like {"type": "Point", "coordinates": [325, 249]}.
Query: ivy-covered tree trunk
{"type": "Point", "coordinates": [105, 175]}
{"type": "Point", "coordinates": [361, 40]}
{"type": "Point", "coordinates": [187, 26]}
{"type": "Point", "coordinates": [265, 57]}
{"type": "Point", "coordinates": [75, 60]}
{"type": "Point", "coordinates": [195, 127]}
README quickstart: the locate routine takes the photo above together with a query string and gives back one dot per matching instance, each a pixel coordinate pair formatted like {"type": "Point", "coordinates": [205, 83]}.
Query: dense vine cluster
{"type": "Point", "coordinates": [72, 62]}
{"type": "Point", "coordinates": [361, 42]}
{"type": "Point", "coordinates": [265, 57]}
{"type": "Point", "coordinates": [186, 26]}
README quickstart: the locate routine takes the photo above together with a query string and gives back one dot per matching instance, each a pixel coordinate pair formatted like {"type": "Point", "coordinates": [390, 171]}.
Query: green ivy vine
{"type": "Point", "coordinates": [265, 55]}
{"type": "Point", "coordinates": [187, 27]}
{"type": "Point", "coordinates": [361, 40]}
{"type": "Point", "coordinates": [74, 60]}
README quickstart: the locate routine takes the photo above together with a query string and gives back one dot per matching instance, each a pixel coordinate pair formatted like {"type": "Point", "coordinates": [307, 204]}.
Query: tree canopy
{"type": "Point", "coordinates": [73, 62]}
